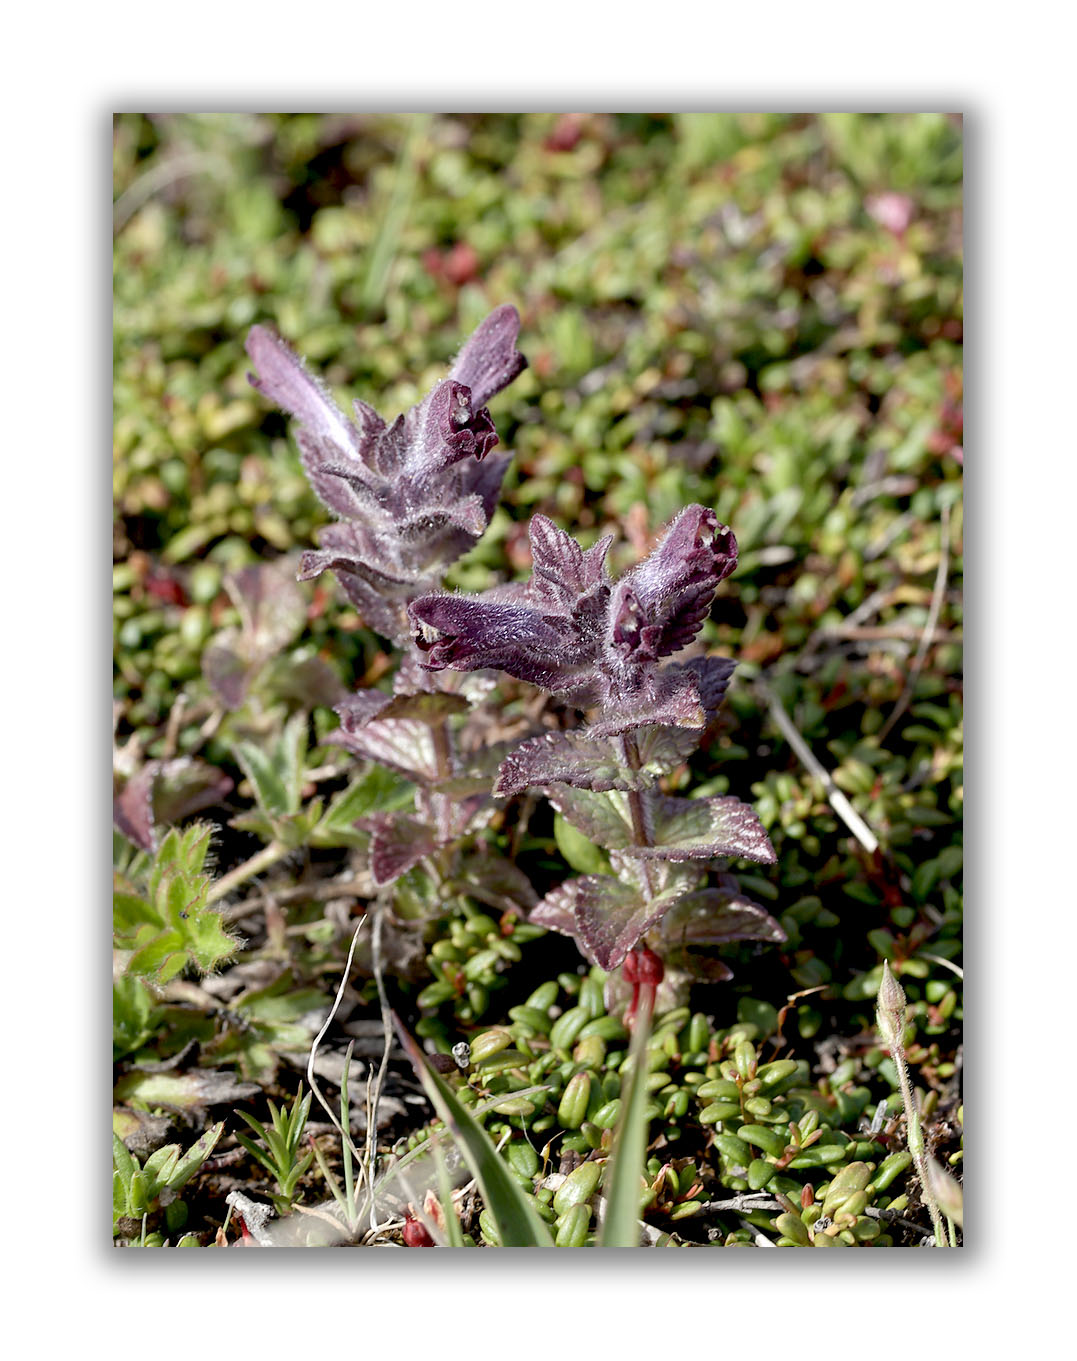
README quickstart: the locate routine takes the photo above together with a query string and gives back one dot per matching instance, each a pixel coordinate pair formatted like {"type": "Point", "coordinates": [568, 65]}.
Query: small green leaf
{"type": "Point", "coordinates": [579, 851]}
{"type": "Point", "coordinates": [195, 1156]}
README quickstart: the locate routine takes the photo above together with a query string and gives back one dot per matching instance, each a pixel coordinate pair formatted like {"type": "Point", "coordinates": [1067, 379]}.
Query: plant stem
{"type": "Point", "coordinates": [916, 1140]}
{"type": "Point", "coordinates": [267, 856]}
{"type": "Point", "coordinates": [637, 808]}
{"type": "Point", "coordinates": [439, 731]}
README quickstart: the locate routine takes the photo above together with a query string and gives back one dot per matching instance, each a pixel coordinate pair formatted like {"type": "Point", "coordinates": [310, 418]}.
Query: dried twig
{"type": "Point", "coordinates": [344, 1134]}
{"type": "Point", "coordinates": [747, 1201]}
{"type": "Point", "coordinates": [374, 1090]}
{"type": "Point", "coordinates": [835, 797]}
{"type": "Point", "coordinates": [932, 620]}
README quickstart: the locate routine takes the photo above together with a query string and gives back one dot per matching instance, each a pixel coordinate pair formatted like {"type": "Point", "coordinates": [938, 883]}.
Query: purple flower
{"type": "Point", "coordinates": [590, 641]}
{"type": "Point", "coordinates": [411, 496]}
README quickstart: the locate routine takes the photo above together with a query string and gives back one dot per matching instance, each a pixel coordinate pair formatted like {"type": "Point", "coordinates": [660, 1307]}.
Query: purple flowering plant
{"type": "Point", "coordinates": [600, 645]}
{"type": "Point", "coordinates": [410, 498]}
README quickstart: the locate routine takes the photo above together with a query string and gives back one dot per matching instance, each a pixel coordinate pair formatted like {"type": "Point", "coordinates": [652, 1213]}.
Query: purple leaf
{"type": "Point", "coordinates": [132, 807]}
{"type": "Point", "coordinates": [704, 829]}
{"type": "Point", "coordinates": [397, 842]}
{"type": "Point", "coordinates": [414, 495]}
{"type": "Point", "coordinates": [573, 635]}
{"type": "Point", "coordinates": [611, 919]}
{"type": "Point", "coordinates": [565, 580]}
{"type": "Point", "coordinates": [575, 758]}
{"type": "Point", "coordinates": [469, 634]}
{"type": "Point", "coordinates": [712, 676]}
{"type": "Point", "coordinates": [717, 916]}
{"type": "Point", "coordinates": [283, 378]}
{"type": "Point", "coordinates": [447, 428]}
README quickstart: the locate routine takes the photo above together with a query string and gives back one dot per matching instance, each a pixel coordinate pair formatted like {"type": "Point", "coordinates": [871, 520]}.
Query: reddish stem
{"type": "Point", "coordinates": [644, 970]}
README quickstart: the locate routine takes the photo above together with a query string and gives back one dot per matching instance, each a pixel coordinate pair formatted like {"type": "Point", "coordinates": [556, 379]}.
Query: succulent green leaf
{"type": "Point", "coordinates": [518, 1223]}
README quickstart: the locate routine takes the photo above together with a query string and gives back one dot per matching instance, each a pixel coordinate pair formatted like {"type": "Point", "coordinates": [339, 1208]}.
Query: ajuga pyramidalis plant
{"type": "Point", "coordinates": [412, 496]}
{"type": "Point", "coordinates": [601, 645]}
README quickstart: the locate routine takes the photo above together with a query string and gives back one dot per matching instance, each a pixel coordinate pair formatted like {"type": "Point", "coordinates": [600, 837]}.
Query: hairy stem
{"type": "Point", "coordinates": [267, 856]}
{"type": "Point", "coordinates": [915, 1136]}
{"type": "Point", "coordinates": [439, 731]}
{"type": "Point", "coordinates": [637, 807]}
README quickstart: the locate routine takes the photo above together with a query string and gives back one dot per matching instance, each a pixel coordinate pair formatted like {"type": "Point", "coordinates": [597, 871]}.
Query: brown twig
{"type": "Point", "coordinates": [932, 620]}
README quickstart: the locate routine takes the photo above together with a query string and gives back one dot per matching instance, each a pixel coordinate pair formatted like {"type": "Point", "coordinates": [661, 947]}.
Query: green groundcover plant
{"type": "Point", "coordinates": [540, 805]}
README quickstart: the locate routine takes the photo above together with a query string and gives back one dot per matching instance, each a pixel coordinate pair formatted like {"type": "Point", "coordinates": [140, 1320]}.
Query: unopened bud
{"type": "Point", "coordinates": [891, 1007]}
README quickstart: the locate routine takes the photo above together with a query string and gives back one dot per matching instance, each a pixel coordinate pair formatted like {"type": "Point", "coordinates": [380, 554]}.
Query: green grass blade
{"type": "Point", "coordinates": [453, 1231]}
{"type": "Point", "coordinates": [518, 1224]}
{"type": "Point", "coordinates": [620, 1229]}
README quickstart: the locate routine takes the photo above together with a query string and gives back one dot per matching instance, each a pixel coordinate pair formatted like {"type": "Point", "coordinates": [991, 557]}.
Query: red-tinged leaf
{"type": "Point", "coordinates": [668, 879]}
{"type": "Point", "coordinates": [453, 817]}
{"type": "Point", "coordinates": [672, 701]}
{"type": "Point", "coordinates": [557, 911]}
{"type": "Point", "coordinates": [497, 882]}
{"type": "Point", "coordinates": [573, 758]}
{"type": "Point", "coordinates": [187, 785]}
{"type": "Point", "coordinates": [704, 829]}
{"type": "Point", "coordinates": [430, 706]}
{"type": "Point", "coordinates": [132, 807]}
{"type": "Point", "coordinates": [611, 919]}
{"type": "Point", "coordinates": [405, 745]}
{"type": "Point", "coordinates": [397, 842]}
{"type": "Point", "coordinates": [227, 669]}
{"type": "Point", "coordinates": [272, 608]}
{"type": "Point", "coordinates": [718, 916]}
{"type": "Point", "coordinates": [306, 678]}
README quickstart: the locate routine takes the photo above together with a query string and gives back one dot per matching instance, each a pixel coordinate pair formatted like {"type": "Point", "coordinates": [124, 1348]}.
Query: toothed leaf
{"type": "Point", "coordinates": [397, 842]}
{"type": "Point", "coordinates": [575, 758]}
{"type": "Point", "coordinates": [704, 829]}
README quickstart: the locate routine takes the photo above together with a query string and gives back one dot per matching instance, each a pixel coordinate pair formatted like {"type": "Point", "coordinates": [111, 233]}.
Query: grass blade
{"type": "Point", "coordinates": [518, 1224]}
{"type": "Point", "coordinates": [620, 1228]}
